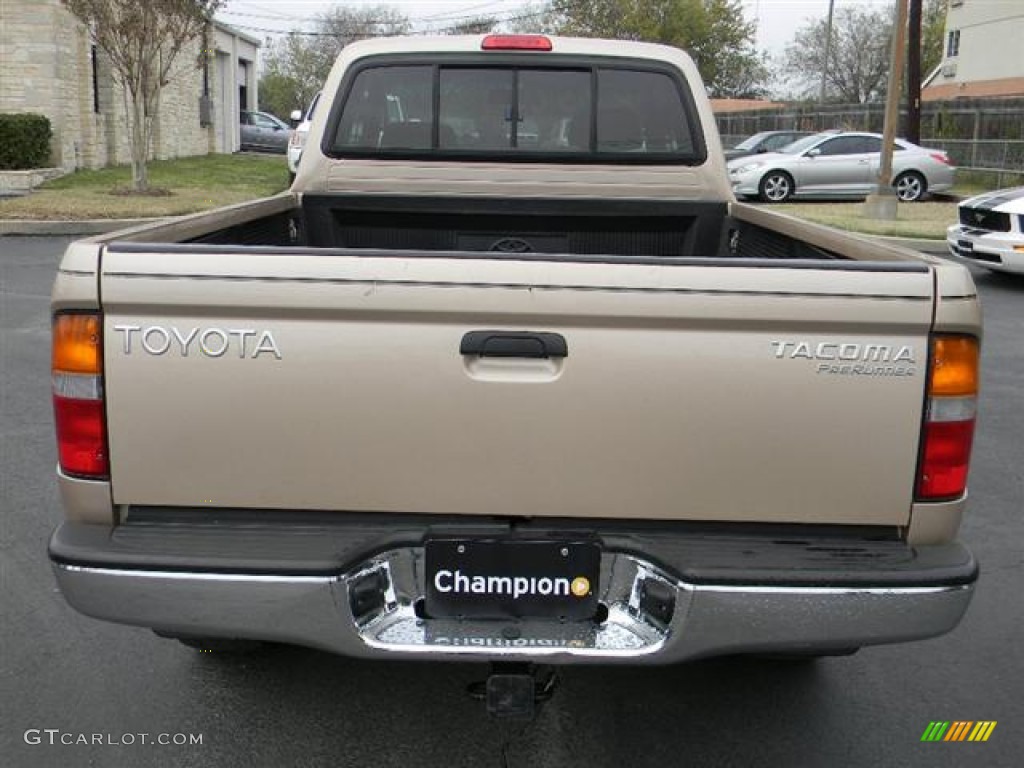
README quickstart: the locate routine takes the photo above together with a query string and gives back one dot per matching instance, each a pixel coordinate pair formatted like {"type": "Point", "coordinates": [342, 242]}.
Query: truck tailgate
{"type": "Point", "coordinates": [745, 391]}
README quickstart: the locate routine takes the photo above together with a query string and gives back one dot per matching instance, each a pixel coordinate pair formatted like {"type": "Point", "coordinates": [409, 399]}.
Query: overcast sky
{"type": "Point", "coordinates": [776, 19]}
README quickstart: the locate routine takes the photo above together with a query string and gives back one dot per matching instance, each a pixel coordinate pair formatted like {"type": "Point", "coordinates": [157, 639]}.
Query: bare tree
{"type": "Point", "coordinates": [298, 64]}
{"type": "Point", "coordinates": [714, 32]}
{"type": "Point", "coordinates": [142, 39]}
{"type": "Point", "coordinates": [532, 18]}
{"type": "Point", "coordinates": [481, 25]}
{"type": "Point", "coordinates": [858, 56]}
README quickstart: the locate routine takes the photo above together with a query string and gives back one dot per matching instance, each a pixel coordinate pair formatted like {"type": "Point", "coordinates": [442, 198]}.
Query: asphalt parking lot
{"type": "Point", "coordinates": [64, 676]}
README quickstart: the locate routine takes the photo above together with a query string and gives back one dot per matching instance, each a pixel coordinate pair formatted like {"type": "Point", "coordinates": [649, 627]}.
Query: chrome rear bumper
{"type": "Point", "coordinates": [371, 611]}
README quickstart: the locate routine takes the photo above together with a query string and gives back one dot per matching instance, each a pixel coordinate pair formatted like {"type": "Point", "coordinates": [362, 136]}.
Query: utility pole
{"type": "Point", "coordinates": [828, 51]}
{"type": "Point", "coordinates": [913, 132]}
{"type": "Point", "coordinates": [882, 204]}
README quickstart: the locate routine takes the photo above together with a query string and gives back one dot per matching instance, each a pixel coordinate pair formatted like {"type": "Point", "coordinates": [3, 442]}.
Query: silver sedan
{"type": "Point", "coordinates": [262, 132]}
{"type": "Point", "coordinates": [840, 164]}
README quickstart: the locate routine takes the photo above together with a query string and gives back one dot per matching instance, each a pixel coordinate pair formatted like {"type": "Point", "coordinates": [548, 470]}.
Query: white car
{"type": "Point", "coordinates": [301, 133]}
{"type": "Point", "coordinates": [991, 230]}
{"type": "Point", "coordinates": [299, 136]}
{"type": "Point", "coordinates": [836, 164]}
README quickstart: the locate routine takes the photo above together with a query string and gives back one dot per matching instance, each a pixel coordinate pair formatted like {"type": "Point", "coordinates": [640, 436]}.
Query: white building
{"type": "Point", "coordinates": [983, 52]}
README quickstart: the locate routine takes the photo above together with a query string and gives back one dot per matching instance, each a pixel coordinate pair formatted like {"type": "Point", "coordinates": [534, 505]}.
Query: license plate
{"type": "Point", "coordinates": [503, 579]}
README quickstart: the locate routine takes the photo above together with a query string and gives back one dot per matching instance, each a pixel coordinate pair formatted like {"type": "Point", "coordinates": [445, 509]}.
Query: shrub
{"type": "Point", "coordinates": [24, 142]}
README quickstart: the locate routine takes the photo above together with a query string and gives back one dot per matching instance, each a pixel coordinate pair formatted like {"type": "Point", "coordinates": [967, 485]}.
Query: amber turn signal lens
{"type": "Point", "coordinates": [954, 366]}
{"type": "Point", "coordinates": [76, 344]}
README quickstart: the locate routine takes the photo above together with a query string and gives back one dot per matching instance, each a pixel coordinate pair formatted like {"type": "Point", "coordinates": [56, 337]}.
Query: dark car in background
{"type": "Point", "coordinates": [262, 132]}
{"type": "Point", "coordinates": [765, 141]}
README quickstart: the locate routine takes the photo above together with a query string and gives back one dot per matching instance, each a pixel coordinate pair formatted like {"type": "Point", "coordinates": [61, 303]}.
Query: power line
{"type": "Point", "coordinates": [267, 13]}
{"type": "Point", "coordinates": [371, 27]}
{"type": "Point", "coordinates": [497, 20]}
{"type": "Point", "coordinates": [456, 12]}
{"type": "Point", "coordinates": [261, 17]}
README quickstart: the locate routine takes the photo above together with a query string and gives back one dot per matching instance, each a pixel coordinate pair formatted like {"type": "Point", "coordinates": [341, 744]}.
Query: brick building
{"type": "Point", "coordinates": [49, 65]}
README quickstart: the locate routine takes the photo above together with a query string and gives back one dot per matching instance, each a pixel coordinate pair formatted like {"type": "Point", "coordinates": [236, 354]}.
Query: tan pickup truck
{"type": "Point", "coordinates": [509, 375]}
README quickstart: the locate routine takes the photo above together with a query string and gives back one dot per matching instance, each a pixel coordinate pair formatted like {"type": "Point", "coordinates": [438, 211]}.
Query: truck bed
{"type": "Point", "coordinates": [518, 227]}
{"type": "Point", "coordinates": [361, 398]}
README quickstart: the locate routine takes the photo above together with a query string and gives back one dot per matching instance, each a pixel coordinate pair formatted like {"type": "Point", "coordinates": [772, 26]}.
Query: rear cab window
{"type": "Point", "coordinates": [474, 108]}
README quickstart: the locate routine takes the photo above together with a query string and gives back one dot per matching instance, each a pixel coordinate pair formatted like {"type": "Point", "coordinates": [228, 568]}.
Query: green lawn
{"type": "Point", "coordinates": [969, 183]}
{"type": "Point", "coordinates": [926, 220]}
{"type": "Point", "coordinates": [194, 184]}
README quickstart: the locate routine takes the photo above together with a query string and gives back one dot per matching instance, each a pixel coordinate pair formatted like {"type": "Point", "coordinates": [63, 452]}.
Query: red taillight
{"type": "Point", "coordinates": [942, 157]}
{"type": "Point", "coordinates": [81, 440]}
{"type": "Point", "coordinates": [78, 406]}
{"type": "Point", "coordinates": [946, 459]}
{"type": "Point", "coordinates": [516, 43]}
{"type": "Point", "coordinates": [949, 422]}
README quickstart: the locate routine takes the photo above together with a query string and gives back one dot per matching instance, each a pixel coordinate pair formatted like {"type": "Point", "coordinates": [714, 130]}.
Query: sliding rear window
{"type": "Point", "coordinates": [586, 112]}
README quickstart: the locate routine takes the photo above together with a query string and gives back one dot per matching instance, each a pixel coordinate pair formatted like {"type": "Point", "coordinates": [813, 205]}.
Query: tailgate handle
{"type": "Point", "coordinates": [514, 344]}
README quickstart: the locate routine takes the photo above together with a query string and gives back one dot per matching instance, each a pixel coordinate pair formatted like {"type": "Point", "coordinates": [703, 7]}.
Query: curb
{"type": "Point", "coordinates": [28, 227]}
{"type": "Point", "coordinates": [935, 247]}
